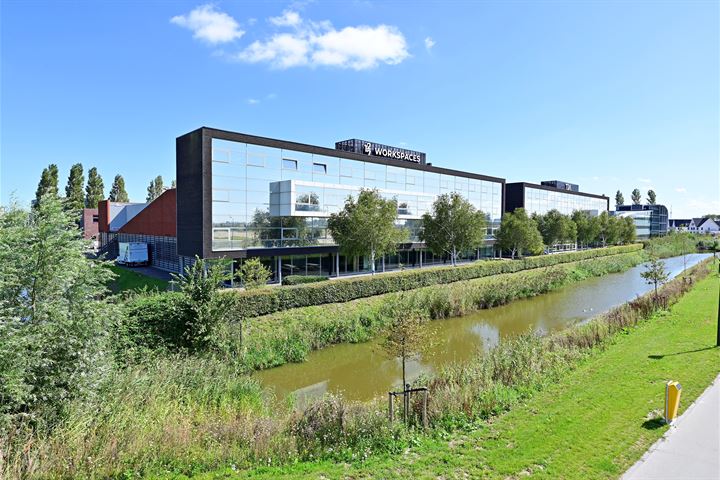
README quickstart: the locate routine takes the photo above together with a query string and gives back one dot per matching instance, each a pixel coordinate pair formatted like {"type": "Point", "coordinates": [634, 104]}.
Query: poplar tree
{"type": "Point", "coordinates": [454, 226]}
{"type": "Point", "coordinates": [652, 197]}
{"type": "Point", "coordinates": [636, 197]}
{"type": "Point", "coordinates": [74, 196]}
{"type": "Point", "coordinates": [117, 191]}
{"type": "Point", "coordinates": [155, 189]}
{"type": "Point", "coordinates": [95, 190]}
{"type": "Point", "coordinates": [48, 184]}
{"type": "Point", "coordinates": [619, 199]}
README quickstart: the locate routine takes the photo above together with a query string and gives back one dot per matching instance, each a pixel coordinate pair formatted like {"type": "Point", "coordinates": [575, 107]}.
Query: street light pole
{"type": "Point", "coordinates": [717, 340]}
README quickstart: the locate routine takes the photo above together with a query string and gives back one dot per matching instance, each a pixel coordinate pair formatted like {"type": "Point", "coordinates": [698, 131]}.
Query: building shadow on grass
{"type": "Point", "coordinates": [653, 424]}
{"type": "Point", "coordinates": [659, 357]}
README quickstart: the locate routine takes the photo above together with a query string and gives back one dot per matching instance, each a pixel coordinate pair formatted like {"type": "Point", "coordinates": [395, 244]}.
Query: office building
{"type": "Point", "coordinates": [553, 195]}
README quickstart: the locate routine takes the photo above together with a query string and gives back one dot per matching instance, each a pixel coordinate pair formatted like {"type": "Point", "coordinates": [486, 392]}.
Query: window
{"type": "Point", "coordinates": [319, 168]}
{"type": "Point", "coordinates": [220, 156]}
{"type": "Point", "coordinates": [95, 219]}
{"type": "Point", "coordinates": [255, 159]}
{"type": "Point", "coordinates": [307, 202]}
{"type": "Point", "coordinates": [289, 164]}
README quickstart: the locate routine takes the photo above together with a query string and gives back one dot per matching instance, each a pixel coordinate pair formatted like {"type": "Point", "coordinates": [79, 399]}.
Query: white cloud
{"type": "Point", "coordinates": [429, 43]}
{"type": "Point", "coordinates": [287, 19]}
{"type": "Point", "coordinates": [320, 44]}
{"type": "Point", "coordinates": [644, 180]}
{"type": "Point", "coordinates": [681, 189]}
{"type": "Point", "coordinates": [210, 25]}
{"type": "Point", "coordinates": [253, 101]}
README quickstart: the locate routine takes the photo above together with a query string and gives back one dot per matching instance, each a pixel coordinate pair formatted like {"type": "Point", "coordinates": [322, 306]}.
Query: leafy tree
{"type": "Point", "coordinates": [117, 191]}
{"type": "Point", "coordinates": [173, 184]}
{"type": "Point", "coordinates": [367, 226]}
{"type": "Point", "coordinates": [407, 335]}
{"type": "Point", "coordinates": [619, 199]}
{"type": "Point", "coordinates": [267, 228]}
{"type": "Point", "coordinates": [626, 230]}
{"type": "Point", "coordinates": [155, 189]}
{"type": "Point", "coordinates": [608, 232]}
{"type": "Point", "coordinates": [586, 226]}
{"type": "Point", "coordinates": [254, 274]}
{"type": "Point", "coordinates": [54, 342]}
{"type": "Point", "coordinates": [453, 226]}
{"type": "Point", "coordinates": [74, 196]}
{"type": "Point", "coordinates": [652, 197]}
{"type": "Point", "coordinates": [204, 308]}
{"type": "Point", "coordinates": [655, 273]}
{"type": "Point", "coordinates": [556, 228]}
{"type": "Point", "coordinates": [48, 185]}
{"type": "Point", "coordinates": [636, 197]}
{"type": "Point", "coordinates": [95, 190]}
{"type": "Point", "coordinates": [518, 233]}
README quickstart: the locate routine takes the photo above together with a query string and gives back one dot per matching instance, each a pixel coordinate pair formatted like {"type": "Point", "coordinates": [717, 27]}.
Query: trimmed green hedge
{"type": "Point", "coordinates": [264, 301]}
{"type": "Point", "coordinates": [300, 279]}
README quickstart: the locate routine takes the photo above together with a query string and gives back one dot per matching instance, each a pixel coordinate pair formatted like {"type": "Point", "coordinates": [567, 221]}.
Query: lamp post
{"type": "Point", "coordinates": [717, 340]}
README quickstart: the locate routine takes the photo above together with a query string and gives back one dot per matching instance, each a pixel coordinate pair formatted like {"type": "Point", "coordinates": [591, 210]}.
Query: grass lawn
{"type": "Point", "coordinates": [129, 280]}
{"type": "Point", "coordinates": [594, 423]}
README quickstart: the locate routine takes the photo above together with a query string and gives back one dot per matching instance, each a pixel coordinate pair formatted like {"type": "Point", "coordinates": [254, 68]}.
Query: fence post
{"type": "Point", "coordinates": [391, 402]}
{"type": "Point", "coordinates": [424, 409]}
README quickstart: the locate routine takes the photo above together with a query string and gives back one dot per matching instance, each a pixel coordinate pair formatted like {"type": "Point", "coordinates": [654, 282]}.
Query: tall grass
{"type": "Point", "coordinates": [183, 415]}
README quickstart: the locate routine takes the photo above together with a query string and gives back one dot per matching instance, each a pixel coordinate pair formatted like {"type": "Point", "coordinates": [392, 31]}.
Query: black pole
{"type": "Point", "coordinates": [717, 340]}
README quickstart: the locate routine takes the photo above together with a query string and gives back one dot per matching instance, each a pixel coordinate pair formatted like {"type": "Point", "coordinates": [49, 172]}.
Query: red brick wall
{"type": "Point", "coordinates": [90, 223]}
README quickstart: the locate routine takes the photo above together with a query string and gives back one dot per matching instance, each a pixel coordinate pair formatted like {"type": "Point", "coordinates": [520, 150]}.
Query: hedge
{"type": "Point", "coordinates": [299, 279]}
{"type": "Point", "coordinates": [264, 301]}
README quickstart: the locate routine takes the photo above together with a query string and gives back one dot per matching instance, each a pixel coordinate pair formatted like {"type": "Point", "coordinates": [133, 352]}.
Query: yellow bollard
{"type": "Point", "coordinates": [672, 400]}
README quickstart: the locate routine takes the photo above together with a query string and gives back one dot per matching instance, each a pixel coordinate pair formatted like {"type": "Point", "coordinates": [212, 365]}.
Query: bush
{"type": "Point", "coordinates": [256, 303]}
{"type": "Point", "coordinates": [299, 279]}
{"type": "Point", "coordinates": [254, 274]}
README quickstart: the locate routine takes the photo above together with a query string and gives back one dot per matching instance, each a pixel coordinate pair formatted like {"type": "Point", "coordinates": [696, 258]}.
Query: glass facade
{"type": "Point", "coordinates": [272, 197]}
{"type": "Point", "coordinates": [542, 201]}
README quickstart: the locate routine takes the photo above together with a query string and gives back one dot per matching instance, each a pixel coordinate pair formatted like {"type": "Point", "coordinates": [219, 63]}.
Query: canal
{"type": "Point", "coordinates": [362, 371]}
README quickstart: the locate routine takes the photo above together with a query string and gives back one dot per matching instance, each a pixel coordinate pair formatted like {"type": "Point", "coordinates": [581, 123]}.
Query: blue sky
{"type": "Point", "coordinates": [610, 95]}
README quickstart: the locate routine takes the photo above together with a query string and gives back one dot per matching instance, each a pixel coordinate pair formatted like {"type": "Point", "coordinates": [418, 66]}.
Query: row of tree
{"type": "Point", "coordinates": [636, 197]}
{"type": "Point", "coordinates": [520, 233]}
{"type": "Point", "coordinates": [76, 198]}
{"type": "Point", "coordinates": [366, 226]}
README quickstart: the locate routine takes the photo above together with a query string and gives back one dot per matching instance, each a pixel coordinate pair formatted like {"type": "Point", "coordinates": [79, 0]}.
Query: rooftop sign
{"type": "Point", "coordinates": [378, 150]}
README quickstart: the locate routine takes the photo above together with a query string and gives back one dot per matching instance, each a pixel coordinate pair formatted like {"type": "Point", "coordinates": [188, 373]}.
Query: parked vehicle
{"type": "Point", "coordinates": [132, 254]}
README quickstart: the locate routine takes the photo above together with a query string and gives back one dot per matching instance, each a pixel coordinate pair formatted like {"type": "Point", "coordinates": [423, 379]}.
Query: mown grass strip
{"type": "Point", "coordinates": [593, 423]}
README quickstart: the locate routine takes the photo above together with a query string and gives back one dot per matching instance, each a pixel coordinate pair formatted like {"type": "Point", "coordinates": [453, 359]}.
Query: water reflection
{"type": "Point", "coordinates": [362, 371]}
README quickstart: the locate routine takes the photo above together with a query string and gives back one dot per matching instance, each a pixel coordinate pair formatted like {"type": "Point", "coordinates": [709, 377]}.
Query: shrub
{"type": "Point", "coordinates": [299, 279]}
{"type": "Point", "coordinates": [254, 274]}
{"type": "Point", "coordinates": [262, 302]}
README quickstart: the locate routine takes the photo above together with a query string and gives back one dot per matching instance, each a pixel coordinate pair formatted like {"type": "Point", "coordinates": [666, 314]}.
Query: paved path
{"type": "Point", "coordinates": [690, 449]}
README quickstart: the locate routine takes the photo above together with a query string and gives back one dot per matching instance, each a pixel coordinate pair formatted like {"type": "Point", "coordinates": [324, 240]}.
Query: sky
{"type": "Point", "coordinates": [609, 95]}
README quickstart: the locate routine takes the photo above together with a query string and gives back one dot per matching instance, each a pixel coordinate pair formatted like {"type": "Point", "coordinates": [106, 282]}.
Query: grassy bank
{"type": "Point", "coordinates": [593, 422]}
{"type": "Point", "coordinates": [187, 415]}
{"type": "Point", "coordinates": [127, 280]}
{"type": "Point", "coordinates": [289, 336]}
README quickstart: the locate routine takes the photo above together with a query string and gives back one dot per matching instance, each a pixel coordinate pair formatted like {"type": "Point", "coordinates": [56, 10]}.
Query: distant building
{"type": "Point", "coordinates": [704, 225]}
{"type": "Point", "coordinates": [650, 220]}
{"type": "Point", "coordinates": [89, 223]}
{"type": "Point", "coordinates": [553, 195]}
{"type": "Point", "coordinates": [679, 224]}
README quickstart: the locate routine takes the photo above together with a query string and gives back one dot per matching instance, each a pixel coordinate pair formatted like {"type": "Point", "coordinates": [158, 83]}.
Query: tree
{"type": "Point", "coordinates": [652, 197]}
{"type": "Point", "coordinates": [74, 196]}
{"type": "Point", "coordinates": [48, 185]}
{"type": "Point", "coordinates": [556, 228]}
{"type": "Point", "coordinates": [117, 191]}
{"type": "Point", "coordinates": [608, 229]}
{"type": "Point", "coordinates": [655, 273]}
{"type": "Point", "coordinates": [254, 274]}
{"type": "Point", "coordinates": [453, 226]}
{"type": "Point", "coordinates": [155, 189]}
{"type": "Point", "coordinates": [619, 199]}
{"type": "Point", "coordinates": [407, 335]}
{"type": "Point", "coordinates": [204, 308]}
{"type": "Point", "coordinates": [95, 190]}
{"type": "Point", "coordinates": [636, 197]}
{"type": "Point", "coordinates": [54, 340]}
{"type": "Point", "coordinates": [518, 233]}
{"type": "Point", "coordinates": [367, 226]}
{"type": "Point", "coordinates": [173, 184]}
{"type": "Point", "coordinates": [626, 230]}
{"type": "Point", "coordinates": [586, 226]}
